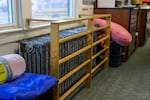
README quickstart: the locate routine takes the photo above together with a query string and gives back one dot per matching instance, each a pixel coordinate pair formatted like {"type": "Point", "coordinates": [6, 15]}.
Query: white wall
{"type": "Point", "coordinates": [106, 3]}
{"type": "Point", "coordinates": [8, 48]}
{"type": "Point", "coordinates": [85, 9]}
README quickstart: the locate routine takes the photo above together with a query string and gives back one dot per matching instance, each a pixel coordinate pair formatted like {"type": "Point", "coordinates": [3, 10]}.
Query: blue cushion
{"type": "Point", "coordinates": [27, 87]}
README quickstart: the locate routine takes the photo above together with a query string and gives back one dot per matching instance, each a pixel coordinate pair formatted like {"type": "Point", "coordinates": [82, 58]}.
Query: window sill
{"type": "Point", "coordinates": [11, 30]}
{"type": "Point", "coordinates": [34, 25]}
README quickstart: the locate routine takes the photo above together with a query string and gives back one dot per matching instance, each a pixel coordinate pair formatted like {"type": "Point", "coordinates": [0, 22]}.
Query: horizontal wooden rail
{"type": "Point", "coordinates": [74, 54]}
{"type": "Point", "coordinates": [97, 66]}
{"type": "Point", "coordinates": [69, 21]}
{"type": "Point", "coordinates": [29, 20]}
{"type": "Point", "coordinates": [100, 40]}
{"type": "Point", "coordinates": [42, 20]}
{"type": "Point", "coordinates": [96, 15]}
{"type": "Point", "coordinates": [100, 52]}
{"type": "Point", "coordinates": [62, 22]}
{"type": "Point", "coordinates": [73, 71]}
{"type": "Point", "coordinates": [100, 28]}
{"type": "Point", "coordinates": [74, 36]}
{"type": "Point", "coordinates": [74, 87]}
{"type": "Point", "coordinates": [102, 15]}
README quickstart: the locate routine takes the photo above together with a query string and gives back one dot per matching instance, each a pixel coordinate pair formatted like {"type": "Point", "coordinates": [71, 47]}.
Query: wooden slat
{"type": "Point", "coordinates": [54, 45]}
{"type": "Point", "coordinates": [29, 20]}
{"type": "Point", "coordinates": [73, 71]}
{"type": "Point", "coordinates": [100, 28]}
{"type": "Point", "coordinates": [41, 19]}
{"type": "Point", "coordinates": [107, 42]}
{"type": "Point", "coordinates": [89, 53]}
{"type": "Point", "coordinates": [95, 15]}
{"type": "Point", "coordinates": [100, 40]}
{"type": "Point", "coordinates": [101, 15]}
{"type": "Point", "coordinates": [74, 36]}
{"type": "Point", "coordinates": [74, 87]}
{"type": "Point", "coordinates": [97, 66]}
{"type": "Point", "coordinates": [69, 21]}
{"type": "Point", "coordinates": [61, 22]}
{"type": "Point", "coordinates": [74, 54]}
{"type": "Point", "coordinates": [100, 52]}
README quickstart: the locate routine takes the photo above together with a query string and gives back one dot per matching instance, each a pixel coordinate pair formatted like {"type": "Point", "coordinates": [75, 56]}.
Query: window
{"type": "Point", "coordinates": [52, 8]}
{"type": "Point", "coordinates": [6, 12]}
{"type": "Point", "coordinates": [13, 13]}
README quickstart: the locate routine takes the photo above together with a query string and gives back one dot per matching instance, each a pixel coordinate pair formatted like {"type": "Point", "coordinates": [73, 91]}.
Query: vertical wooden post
{"type": "Point", "coordinates": [108, 21]}
{"type": "Point", "coordinates": [54, 50]}
{"type": "Point", "coordinates": [90, 52]}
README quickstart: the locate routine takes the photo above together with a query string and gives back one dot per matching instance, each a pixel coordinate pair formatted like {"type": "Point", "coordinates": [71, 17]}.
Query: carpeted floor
{"type": "Point", "coordinates": [130, 81]}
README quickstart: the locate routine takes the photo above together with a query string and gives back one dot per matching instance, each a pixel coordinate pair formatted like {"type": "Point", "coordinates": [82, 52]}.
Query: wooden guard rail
{"type": "Point", "coordinates": [55, 51]}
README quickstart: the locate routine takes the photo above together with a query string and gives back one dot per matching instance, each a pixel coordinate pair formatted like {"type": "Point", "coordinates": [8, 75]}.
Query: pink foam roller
{"type": "Point", "coordinates": [118, 33]}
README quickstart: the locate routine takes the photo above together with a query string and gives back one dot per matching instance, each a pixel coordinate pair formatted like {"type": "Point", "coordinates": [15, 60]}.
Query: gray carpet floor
{"type": "Point", "coordinates": [130, 81]}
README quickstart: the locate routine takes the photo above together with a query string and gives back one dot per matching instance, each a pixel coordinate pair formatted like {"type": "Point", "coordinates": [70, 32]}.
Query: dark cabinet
{"type": "Point", "coordinates": [133, 30]}
{"type": "Point", "coordinates": [143, 26]}
{"type": "Point", "coordinates": [142, 20]}
{"type": "Point", "coordinates": [128, 18]}
{"type": "Point", "coordinates": [147, 25]}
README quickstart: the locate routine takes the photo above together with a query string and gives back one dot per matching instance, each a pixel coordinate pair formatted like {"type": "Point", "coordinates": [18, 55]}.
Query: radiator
{"type": "Point", "coordinates": [36, 52]}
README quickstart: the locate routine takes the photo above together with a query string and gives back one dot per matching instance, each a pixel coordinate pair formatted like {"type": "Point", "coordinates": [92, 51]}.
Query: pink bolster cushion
{"type": "Point", "coordinates": [118, 33]}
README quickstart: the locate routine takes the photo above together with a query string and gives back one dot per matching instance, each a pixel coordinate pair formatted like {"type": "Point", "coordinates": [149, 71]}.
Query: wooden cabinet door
{"type": "Point", "coordinates": [148, 25]}
{"type": "Point", "coordinates": [142, 18]}
{"type": "Point", "coordinates": [133, 29]}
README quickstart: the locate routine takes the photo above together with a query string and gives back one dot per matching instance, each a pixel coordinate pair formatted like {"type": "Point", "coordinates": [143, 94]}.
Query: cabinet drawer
{"type": "Point", "coordinates": [133, 20]}
{"type": "Point", "coordinates": [148, 16]}
{"type": "Point", "coordinates": [148, 13]}
{"type": "Point", "coordinates": [132, 45]}
{"type": "Point", "coordinates": [133, 15]}
{"type": "Point", "coordinates": [132, 27]}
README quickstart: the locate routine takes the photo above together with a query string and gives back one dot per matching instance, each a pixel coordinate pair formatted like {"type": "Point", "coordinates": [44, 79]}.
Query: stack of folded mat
{"type": "Point", "coordinates": [16, 84]}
